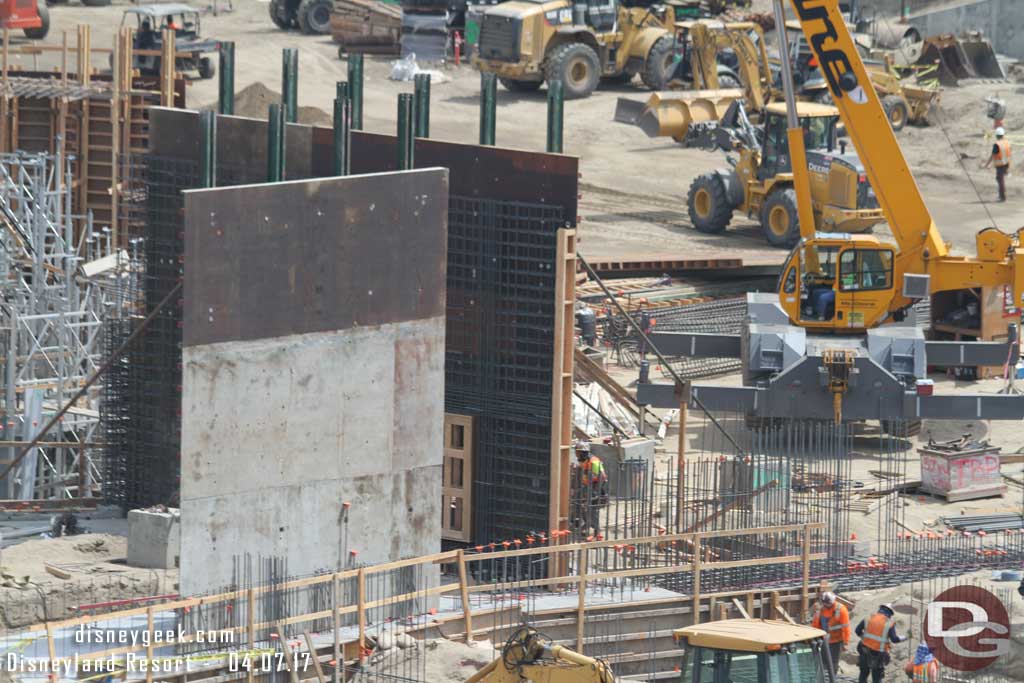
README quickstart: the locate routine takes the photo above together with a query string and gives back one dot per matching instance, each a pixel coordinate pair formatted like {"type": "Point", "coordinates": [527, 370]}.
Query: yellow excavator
{"type": "Point", "coordinates": [531, 656]}
{"type": "Point", "coordinates": [831, 343]}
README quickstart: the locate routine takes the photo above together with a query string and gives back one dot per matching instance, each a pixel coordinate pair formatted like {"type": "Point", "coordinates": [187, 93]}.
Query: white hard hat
{"type": "Point", "coordinates": [828, 598]}
{"type": "Point", "coordinates": [1000, 132]}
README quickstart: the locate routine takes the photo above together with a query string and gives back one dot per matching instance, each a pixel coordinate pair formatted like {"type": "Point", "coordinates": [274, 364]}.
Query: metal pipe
{"type": "Point", "coordinates": [208, 149]}
{"type": "Point", "coordinates": [488, 107]}
{"type": "Point", "coordinates": [787, 66]}
{"type": "Point", "coordinates": [421, 83]}
{"type": "Point", "coordinates": [342, 127]}
{"type": "Point", "coordinates": [355, 85]}
{"type": "Point", "coordinates": [226, 82]}
{"type": "Point", "coordinates": [556, 110]}
{"type": "Point", "coordinates": [275, 145]}
{"type": "Point", "coordinates": [406, 139]}
{"type": "Point", "coordinates": [290, 84]}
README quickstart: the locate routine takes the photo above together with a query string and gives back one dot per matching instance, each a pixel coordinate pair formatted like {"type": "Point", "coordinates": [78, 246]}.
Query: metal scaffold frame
{"type": "Point", "coordinates": [60, 280]}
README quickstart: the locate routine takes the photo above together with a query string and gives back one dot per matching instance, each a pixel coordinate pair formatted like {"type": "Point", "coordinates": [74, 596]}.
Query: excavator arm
{"type": "Point", "coordinates": [529, 656]}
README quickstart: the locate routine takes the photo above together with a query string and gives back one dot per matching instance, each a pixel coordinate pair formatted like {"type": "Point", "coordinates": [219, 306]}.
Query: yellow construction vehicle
{"type": "Point", "coordinates": [753, 651]}
{"type": "Point", "coordinates": [759, 182]}
{"type": "Point", "coordinates": [531, 656]}
{"type": "Point", "coordinates": [526, 43]}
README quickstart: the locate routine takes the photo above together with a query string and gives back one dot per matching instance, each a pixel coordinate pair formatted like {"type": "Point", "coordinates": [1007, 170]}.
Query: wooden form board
{"type": "Point", "coordinates": [457, 479]}
{"type": "Point", "coordinates": [561, 385]}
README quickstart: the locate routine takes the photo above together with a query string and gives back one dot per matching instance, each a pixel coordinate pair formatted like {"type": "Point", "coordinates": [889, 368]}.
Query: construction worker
{"type": "Point", "coordinates": [1001, 154]}
{"type": "Point", "coordinates": [834, 618]}
{"type": "Point", "coordinates": [923, 668]}
{"type": "Point", "coordinates": [877, 634]}
{"type": "Point", "coordinates": [593, 489]}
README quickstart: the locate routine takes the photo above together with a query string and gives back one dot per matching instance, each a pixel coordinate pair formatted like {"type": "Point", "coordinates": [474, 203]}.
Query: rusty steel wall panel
{"type": "Point", "coordinates": [311, 256]}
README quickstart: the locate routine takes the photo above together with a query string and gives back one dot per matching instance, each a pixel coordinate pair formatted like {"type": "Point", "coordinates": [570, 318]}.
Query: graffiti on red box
{"type": "Point", "coordinates": [950, 474]}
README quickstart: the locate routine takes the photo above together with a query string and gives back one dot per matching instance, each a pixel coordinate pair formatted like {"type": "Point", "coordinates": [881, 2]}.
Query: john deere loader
{"type": "Point", "coordinates": [527, 43]}
{"type": "Point", "coordinates": [759, 180]}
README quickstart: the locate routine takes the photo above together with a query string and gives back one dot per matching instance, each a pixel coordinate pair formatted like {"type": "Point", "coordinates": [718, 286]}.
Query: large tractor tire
{"type": "Point", "coordinates": [659, 63]}
{"type": "Point", "coordinates": [896, 111]}
{"type": "Point", "coordinates": [780, 218]}
{"type": "Point", "coordinates": [44, 15]}
{"type": "Point", "coordinates": [515, 85]}
{"type": "Point", "coordinates": [314, 17]}
{"type": "Point", "coordinates": [207, 69]}
{"type": "Point", "coordinates": [96, 3]}
{"type": "Point", "coordinates": [708, 204]}
{"type": "Point", "coordinates": [279, 14]}
{"type": "Point", "coordinates": [577, 66]}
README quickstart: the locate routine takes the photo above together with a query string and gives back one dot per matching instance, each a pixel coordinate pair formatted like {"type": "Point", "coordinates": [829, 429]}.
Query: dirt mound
{"type": "Point", "coordinates": [254, 100]}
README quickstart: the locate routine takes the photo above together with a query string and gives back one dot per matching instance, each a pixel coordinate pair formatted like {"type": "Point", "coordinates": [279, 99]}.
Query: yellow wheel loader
{"type": "Point", "coordinates": [759, 182]}
{"type": "Point", "coordinates": [527, 43]}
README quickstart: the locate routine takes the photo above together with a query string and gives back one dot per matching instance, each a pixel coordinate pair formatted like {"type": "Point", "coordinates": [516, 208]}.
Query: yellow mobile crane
{"type": "Point", "coordinates": [831, 342]}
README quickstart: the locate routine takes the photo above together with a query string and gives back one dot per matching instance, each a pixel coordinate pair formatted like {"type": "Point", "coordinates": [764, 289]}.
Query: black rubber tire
{"type": "Point", "coordinates": [314, 16]}
{"type": "Point", "coordinates": [44, 15]}
{"type": "Point", "coordinates": [787, 232]}
{"type": "Point", "coordinates": [279, 14]}
{"type": "Point", "coordinates": [659, 63]}
{"type": "Point", "coordinates": [206, 68]}
{"type": "Point", "coordinates": [514, 85]}
{"type": "Point", "coordinates": [96, 3]}
{"type": "Point", "coordinates": [896, 111]}
{"type": "Point", "coordinates": [714, 216]}
{"type": "Point", "coordinates": [565, 61]}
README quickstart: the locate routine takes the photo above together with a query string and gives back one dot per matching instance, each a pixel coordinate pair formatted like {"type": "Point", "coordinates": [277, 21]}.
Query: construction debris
{"type": "Point", "coordinates": [366, 26]}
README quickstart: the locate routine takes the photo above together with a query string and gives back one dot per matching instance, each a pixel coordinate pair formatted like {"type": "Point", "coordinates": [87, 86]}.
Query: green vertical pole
{"type": "Point", "coordinates": [342, 124]}
{"type": "Point", "coordinates": [226, 90]}
{"type": "Point", "coordinates": [290, 84]}
{"type": "Point", "coordinates": [488, 107]}
{"type": "Point", "coordinates": [208, 150]}
{"type": "Point", "coordinates": [275, 145]}
{"type": "Point", "coordinates": [355, 89]}
{"type": "Point", "coordinates": [421, 83]}
{"type": "Point", "coordinates": [406, 139]}
{"type": "Point", "coordinates": [556, 109]}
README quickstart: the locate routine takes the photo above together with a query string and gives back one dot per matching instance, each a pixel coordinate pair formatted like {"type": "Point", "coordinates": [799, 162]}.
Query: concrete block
{"type": "Point", "coordinates": [154, 538]}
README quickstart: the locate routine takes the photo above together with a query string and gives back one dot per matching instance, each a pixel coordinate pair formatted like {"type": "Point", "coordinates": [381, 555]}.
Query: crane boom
{"type": "Point", "coordinates": [853, 94]}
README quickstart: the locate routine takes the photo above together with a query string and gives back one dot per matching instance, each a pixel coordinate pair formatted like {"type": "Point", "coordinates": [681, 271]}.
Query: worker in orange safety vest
{"type": "Point", "coordinates": [834, 618]}
{"type": "Point", "coordinates": [593, 489]}
{"type": "Point", "coordinates": [923, 668]}
{"type": "Point", "coordinates": [877, 634]}
{"type": "Point", "coordinates": [1001, 156]}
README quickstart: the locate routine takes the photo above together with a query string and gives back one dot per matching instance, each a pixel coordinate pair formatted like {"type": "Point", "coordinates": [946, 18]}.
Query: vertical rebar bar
{"type": "Point", "coordinates": [556, 108]}
{"type": "Point", "coordinates": [290, 84]}
{"type": "Point", "coordinates": [342, 128]}
{"type": "Point", "coordinates": [275, 144]}
{"type": "Point", "coordinates": [488, 107]}
{"type": "Point", "coordinates": [406, 139]}
{"type": "Point", "coordinates": [421, 84]}
{"type": "Point", "coordinates": [208, 149]}
{"type": "Point", "coordinates": [355, 84]}
{"type": "Point", "coordinates": [226, 81]}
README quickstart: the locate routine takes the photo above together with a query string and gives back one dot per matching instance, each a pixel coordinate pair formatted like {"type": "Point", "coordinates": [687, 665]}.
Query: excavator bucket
{"type": "Point", "coordinates": [670, 114]}
{"type": "Point", "coordinates": [628, 110]}
{"type": "Point", "coordinates": [982, 57]}
{"type": "Point", "coordinates": [960, 58]}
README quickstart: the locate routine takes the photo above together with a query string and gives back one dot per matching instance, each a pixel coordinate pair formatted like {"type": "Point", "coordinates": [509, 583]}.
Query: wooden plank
{"type": "Point", "coordinates": [467, 608]}
{"type": "Point", "coordinates": [361, 610]}
{"type": "Point", "coordinates": [282, 639]}
{"type": "Point", "coordinates": [806, 561]}
{"type": "Point", "coordinates": [316, 659]}
{"type": "Point", "coordinates": [696, 578]}
{"type": "Point", "coordinates": [56, 571]}
{"type": "Point", "coordinates": [250, 618]}
{"type": "Point", "coordinates": [581, 601]}
{"type": "Point", "coordinates": [336, 632]}
{"type": "Point", "coordinates": [739, 608]}
{"type": "Point", "coordinates": [149, 645]}
{"type": "Point", "coordinates": [561, 389]}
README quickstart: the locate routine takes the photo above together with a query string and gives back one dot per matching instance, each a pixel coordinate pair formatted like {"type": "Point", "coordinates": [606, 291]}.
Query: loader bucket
{"type": "Point", "coordinates": [670, 114]}
{"type": "Point", "coordinates": [982, 57]}
{"type": "Point", "coordinates": [958, 58]}
{"type": "Point", "coordinates": [627, 110]}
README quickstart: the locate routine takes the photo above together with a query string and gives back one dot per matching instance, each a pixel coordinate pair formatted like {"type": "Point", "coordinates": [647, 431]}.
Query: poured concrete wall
{"type": "Point", "coordinates": [1001, 22]}
{"type": "Point", "coordinates": [313, 373]}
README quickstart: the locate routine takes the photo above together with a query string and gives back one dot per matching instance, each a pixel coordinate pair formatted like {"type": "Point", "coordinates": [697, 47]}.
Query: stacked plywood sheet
{"type": "Point", "coordinates": [366, 26]}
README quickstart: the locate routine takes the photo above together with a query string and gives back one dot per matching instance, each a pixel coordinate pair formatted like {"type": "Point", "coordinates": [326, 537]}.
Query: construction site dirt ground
{"type": "Point", "coordinates": [633, 188]}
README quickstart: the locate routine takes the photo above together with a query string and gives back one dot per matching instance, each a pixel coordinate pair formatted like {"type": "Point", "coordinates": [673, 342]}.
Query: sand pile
{"type": "Point", "coordinates": [254, 100]}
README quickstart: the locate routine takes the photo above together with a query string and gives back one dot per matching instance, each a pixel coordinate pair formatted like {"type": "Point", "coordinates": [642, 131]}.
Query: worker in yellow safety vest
{"type": "Point", "coordinates": [834, 618]}
{"type": "Point", "coordinates": [877, 634]}
{"type": "Point", "coordinates": [1001, 156]}
{"type": "Point", "coordinates": [593, 489]}
{"type": "Point", "coordinates": [923, 668]}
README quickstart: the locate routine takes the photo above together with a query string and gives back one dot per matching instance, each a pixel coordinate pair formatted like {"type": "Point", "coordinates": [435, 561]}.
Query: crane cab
{"type": "Point", "coordinates": [751, 650]}
{"type": "Point", "coordinates": [838, 282]}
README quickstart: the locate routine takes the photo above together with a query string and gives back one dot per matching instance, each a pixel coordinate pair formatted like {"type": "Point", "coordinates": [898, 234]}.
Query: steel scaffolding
{"type": "Point", "coordinates": [60, 280]}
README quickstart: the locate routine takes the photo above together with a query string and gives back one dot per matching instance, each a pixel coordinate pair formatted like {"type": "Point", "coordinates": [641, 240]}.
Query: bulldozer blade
{"type": "Point", "coordinates": [628, 111]}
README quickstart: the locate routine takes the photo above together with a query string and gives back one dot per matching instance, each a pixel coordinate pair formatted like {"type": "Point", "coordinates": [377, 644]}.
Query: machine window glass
{"type": "Point", "coordinates": [743, 668]}
{"type": "Point", "coordinates": [817, 132]}
{"type": "Point", "coordinates": [790, 285]}
{"type": "Point", "coordinates": [866, 269]}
